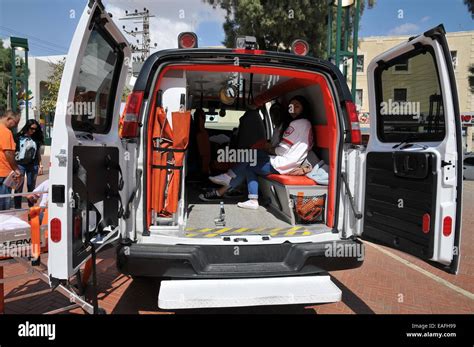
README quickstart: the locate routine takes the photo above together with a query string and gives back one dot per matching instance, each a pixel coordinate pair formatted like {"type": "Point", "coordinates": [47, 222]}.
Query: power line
{"type": "Point", "coordinates": [144, 20]}
{"type": "Point", "coordinates": [31, 37]}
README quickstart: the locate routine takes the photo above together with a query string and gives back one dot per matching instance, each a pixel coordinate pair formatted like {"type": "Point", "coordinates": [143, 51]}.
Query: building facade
{"type": "Point", "coordinates": [461, 45]}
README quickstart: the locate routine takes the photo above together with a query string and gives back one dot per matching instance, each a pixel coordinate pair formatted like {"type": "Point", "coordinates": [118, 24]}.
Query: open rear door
{"type": "Point", "coordinates": [86, 183]}
{"type": "Point", "coordinates": [413, 173]}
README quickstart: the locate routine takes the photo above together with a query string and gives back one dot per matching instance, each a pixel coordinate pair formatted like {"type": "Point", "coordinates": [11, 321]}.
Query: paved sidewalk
{"type": "Point", "coordinates": [388, 282]}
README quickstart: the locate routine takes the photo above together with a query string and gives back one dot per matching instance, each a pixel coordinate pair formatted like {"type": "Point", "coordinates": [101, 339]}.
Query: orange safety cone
{"type": "Point", "coordinates": [45, 222]}
{"type": "Point", "coordinates": [35, 234]}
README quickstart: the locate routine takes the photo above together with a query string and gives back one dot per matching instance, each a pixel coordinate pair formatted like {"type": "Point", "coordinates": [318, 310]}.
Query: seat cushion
{"type": "Point", "coordinates": [289, 180]}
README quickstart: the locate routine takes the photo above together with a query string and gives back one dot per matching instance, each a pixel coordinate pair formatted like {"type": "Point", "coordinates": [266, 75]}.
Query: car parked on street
{"type": "Point", "coordinates": [468, 166]}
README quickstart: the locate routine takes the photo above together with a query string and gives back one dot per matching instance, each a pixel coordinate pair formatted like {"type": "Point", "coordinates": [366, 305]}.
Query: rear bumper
{"type": "Point", "coordinates": [251, 261]}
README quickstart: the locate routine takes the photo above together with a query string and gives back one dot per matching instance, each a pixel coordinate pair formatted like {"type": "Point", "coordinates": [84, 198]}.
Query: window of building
{"type": "Point", "coordinates": [358, 98]}
{"type": "Point", "coordinates": [402, 65]}
{"type": "Point", "coordinates": [454, 56]}
{"type": "Point", "coordinates": [360, 63]}
{"type": "Point", "coordinates": [400, 94]}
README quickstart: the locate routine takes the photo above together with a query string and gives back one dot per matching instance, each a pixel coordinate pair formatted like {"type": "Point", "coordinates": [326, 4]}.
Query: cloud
{"type": "Point", "coordinates": [425, 18]}
{"type": "Point", "coordinates": [6, 42]}
{"type": "Point", "coordinates": [171, 18]}
{"type": "Point", "coordinates": [405, 29]}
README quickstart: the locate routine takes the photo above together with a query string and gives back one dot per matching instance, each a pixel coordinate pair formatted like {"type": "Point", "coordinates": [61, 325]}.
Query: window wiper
{"type": "Point", "coordinates": [408, 142]}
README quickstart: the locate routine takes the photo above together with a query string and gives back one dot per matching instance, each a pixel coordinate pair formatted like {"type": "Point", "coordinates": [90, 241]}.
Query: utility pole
{"type": "Point", "coordinates": [342, 53]}
{"type": "Point", "coordinates": [143, 46]}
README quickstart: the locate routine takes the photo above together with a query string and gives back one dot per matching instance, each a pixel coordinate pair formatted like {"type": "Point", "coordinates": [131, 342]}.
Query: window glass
{"type": "Point", "coordinates": [410, 105]}
{"type": "Point", "coordinates": [95, 90]}
{"type": "Point", "coordinates": [360, 63]}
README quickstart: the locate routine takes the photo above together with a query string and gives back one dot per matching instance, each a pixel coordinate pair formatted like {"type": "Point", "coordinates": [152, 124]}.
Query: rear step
{"type": "Point", "coordinates": [191, 294]}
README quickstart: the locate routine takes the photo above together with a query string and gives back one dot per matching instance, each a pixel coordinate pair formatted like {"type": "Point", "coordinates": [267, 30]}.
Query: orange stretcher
{"type": "Point", "coordinates": [169, 147]}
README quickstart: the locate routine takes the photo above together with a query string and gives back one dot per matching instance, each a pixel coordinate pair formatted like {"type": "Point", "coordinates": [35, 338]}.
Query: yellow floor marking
{"type": "Point", "coordinates": [240, 230]}
{"type": "Point", "coordinates": [223, 230]}
{"type": "Point", "coordinates": [276, 229]}
{"type": "Point", "coordinates": [190, 235]}
{"type": "Point", "coordinates": [274, 233]}
{"type": "Point", "coordinates": [210, 235]}
{"type": "Point", "coordinates": [440, 280]}
{"type": "Point", "coordinates": [306, 233]}
{"type": "Point", "coordinates": [294, 228]}
{"type": "Point", "coordinates": [189, 229]}
{"type": "Point", "coordinates": [205, 230]}
{"type": "Point", "coordinates": [289, 233]}
{"type": "Point", "coordinates": [258, 230]}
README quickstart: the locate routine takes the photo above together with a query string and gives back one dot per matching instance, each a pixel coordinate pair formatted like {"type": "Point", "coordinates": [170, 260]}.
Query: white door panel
{"type": "Point", "coordinates": [412, 184]}
{"type": "Point", "coordinates": [85, 138]}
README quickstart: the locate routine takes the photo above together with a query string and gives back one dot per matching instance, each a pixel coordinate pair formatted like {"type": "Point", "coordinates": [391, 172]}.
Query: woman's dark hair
{"type": "Point", "coordinates": [37, 135]}
{"type": "Point", "coordinates": [304, 114]}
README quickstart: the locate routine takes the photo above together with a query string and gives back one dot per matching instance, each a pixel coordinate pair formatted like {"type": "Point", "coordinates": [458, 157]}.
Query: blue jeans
{"type": "Point", "coordinates": [31, 172]}
{"type": "Point", "coordinates": [4, 202]}
{"type": "Point", "coordinates": [244, 171]}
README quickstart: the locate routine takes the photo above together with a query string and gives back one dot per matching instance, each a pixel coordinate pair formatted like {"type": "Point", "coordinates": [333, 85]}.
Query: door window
{"type": "Point", "coordinates": [410, 105]}
{"type": "Point", "coordinates": [94, 98]}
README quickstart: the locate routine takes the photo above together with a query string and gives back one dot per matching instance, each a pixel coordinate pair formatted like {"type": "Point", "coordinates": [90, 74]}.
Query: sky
{"type": "Point", "coordinates": [49, 24]}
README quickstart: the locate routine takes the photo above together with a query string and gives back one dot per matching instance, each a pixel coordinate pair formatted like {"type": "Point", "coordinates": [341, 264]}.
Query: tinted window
{"type": "Point", "coordinates": [410, 105]}
{"type": "Point", "coordinates": [469, 161]}
{"type": "Point", "coordinates": [92, 109]}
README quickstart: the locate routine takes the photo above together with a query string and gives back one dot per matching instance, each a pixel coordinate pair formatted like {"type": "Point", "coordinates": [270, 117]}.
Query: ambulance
{"type": "Point", "coordinates": [124, 180]}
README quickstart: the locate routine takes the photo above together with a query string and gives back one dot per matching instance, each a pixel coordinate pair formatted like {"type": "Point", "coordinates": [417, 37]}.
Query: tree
{"type": "Point", "coordinates": [275, 24]}
{"type": "Point", "coordinates": [48, 103]}
{"type": "Point", "coordinates": [5, 74]}
{"type": "Point", "coordinates": [470, 6]}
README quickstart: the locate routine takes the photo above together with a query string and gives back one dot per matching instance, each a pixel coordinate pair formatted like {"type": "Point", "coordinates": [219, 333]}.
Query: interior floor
{"type": "Point", "coordinates": [202, 214]}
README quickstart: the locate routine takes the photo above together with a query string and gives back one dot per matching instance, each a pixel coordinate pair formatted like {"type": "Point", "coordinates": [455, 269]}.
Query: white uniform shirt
{"type": "Point", "coordinates": [43, 187]}
{"type": "Point", "coordinates": [293, 149]}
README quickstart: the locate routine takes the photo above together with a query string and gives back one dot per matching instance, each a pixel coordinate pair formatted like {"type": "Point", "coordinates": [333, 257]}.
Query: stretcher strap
{"type": "Point", "coordinates": [169, 149]}
{"type": "Point", "coordinates": [169, 167]}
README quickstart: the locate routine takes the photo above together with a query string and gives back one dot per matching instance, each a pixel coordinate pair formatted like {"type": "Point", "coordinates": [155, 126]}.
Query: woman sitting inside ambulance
{"type": "Point", "coordinates": [286, 158]}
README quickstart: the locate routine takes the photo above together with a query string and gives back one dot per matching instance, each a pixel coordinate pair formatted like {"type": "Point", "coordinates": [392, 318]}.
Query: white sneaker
{"type": "Point", "coordinates": [249, 204]}
{"type": "Point", "coordinates": [222, 179]}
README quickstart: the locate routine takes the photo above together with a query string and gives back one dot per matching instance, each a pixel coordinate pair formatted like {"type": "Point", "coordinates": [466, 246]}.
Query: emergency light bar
{"type": "Point", "coordinates": [187, 40]}
{"type": "Point", "coordinates": [300, 47]}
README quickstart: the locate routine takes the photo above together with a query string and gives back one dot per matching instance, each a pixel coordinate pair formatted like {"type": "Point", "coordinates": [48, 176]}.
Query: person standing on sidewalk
{"type": "Point", "coordinates": [8, 121]}
{"type": "Point", "coordinates": [28, 145]}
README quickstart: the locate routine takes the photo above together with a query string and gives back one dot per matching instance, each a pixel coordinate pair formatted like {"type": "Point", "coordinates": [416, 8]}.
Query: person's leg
{"type": "Point", "coordinates": [18, 199]}
{"type": "Point", "coordinates": [31, 175]}
{"type": "Point", "coordinates": [230, 180]}
{"type": "Point", "coordinates": [4, 202]}
{"type": "Point", "coordinates": [262, 168]}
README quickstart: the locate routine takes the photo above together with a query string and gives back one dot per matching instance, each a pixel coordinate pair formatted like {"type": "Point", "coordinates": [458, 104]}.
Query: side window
{"type": "Point", "coordinates": [454, 56]}
{"type": "Point", "coordinates": [469, 161]}
{"type": "Point", "coordinates": [360, 63]}
{"type": "Point", "coordinates": [410, 105]}
{"type": "Point", "coordinates": [94, 97]}
{"type": "Point", "coordinates": [359, 97]}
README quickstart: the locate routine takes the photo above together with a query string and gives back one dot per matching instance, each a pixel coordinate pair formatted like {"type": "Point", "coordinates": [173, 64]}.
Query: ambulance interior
{"type": "Point", "coordinates": [236, 115]}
